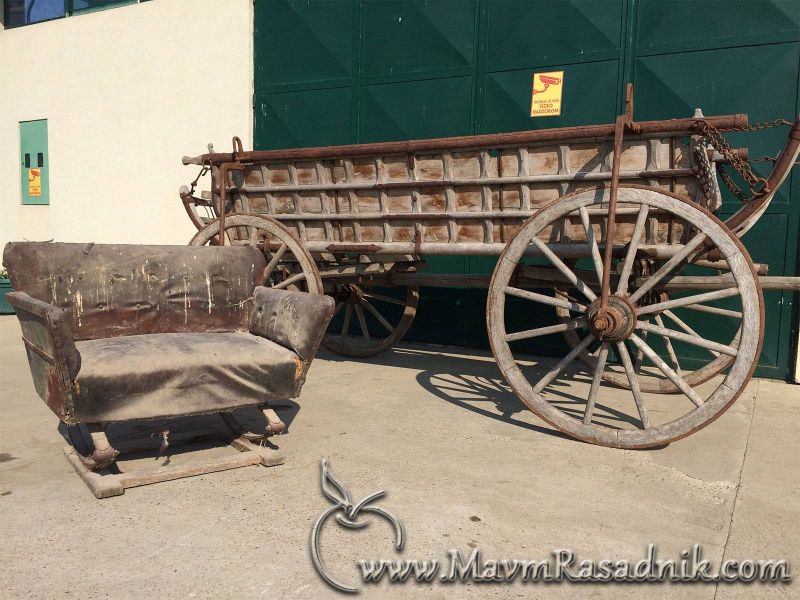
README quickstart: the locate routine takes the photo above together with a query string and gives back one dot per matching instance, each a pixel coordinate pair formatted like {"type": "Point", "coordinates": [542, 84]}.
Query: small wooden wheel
{"type": "Point", "coordinates": [382, 318]}
{"type": "Point", "coordinates": [289, 264]}
{"type": "Point", "coordinates": [633, 418]}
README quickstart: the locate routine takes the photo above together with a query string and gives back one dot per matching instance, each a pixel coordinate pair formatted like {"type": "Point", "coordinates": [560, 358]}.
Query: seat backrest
{"type": "Point", "coordinates": [116, 289]}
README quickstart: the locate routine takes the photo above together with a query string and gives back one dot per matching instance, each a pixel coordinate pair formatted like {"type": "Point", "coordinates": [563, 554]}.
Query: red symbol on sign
{"type": "Point", "coordinates": [547, 81]}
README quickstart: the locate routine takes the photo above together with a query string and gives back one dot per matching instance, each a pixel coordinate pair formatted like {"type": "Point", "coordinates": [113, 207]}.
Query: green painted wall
{"type": "Point", "coordinates": [337, 72]}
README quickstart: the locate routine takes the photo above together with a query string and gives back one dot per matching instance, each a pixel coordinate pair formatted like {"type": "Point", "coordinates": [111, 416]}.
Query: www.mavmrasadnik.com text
{"type": "Point", "coordinates": [565, 566]}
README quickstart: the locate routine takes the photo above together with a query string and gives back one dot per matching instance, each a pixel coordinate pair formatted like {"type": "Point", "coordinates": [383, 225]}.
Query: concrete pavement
{"type": "Point", "coordinates": [464, 466]}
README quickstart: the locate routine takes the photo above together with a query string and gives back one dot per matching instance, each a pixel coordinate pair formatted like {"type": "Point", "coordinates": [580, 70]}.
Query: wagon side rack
{"type": "Point", "coordinates": [618, 222]}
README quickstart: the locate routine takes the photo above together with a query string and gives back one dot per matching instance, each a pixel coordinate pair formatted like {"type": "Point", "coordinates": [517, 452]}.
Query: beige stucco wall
{"type": "Point", "coordinates": [126, 92]}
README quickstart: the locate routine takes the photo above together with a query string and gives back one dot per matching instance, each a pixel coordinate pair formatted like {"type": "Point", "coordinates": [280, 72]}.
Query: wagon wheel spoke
{"type": "Point", "coordinates": [565, 270]}
{"type": "Point", "coordinates": [540, 331]}
{"type": "Point", "coordinates": [630, 256]}
{"type": "Point", "coordinates": [289, 281]}
{"type": "Point", "coordinates": [668, 344]}
{"type": "Point", "coordinates": [590, 239]}
{"type": "Point", "coordinates": [383, 298]}
{"type": "Point", "coordinates": [688, 301]}
{"type": "Point", "coordinates": [668, 267]}
{"type": "Point", "coordinates": [633, 379]}
{"type": "Point", "coordinates": [553, 373]}
{"type": "Point", "coordinates": [393, 316]}
{"type": "Point", "coordinates": [348, 313]}
{"type": "Point", "coordinates": [362, 322]}
{"type": "Point", "coordinates": [248, 229]}
{"type": "Point", "coordinates": [637, 363]}
{"type": "Point", "coordinates": [695, 339]}
{"type": "Point", "coordinates": [602, 356]}
{"type": "Point", "coordinates": [255, 234]}
{"type": "Point", "coordinates": [378, 316]}
{"type": "Point", "coordinates": [680, 323]}
{"type": "Point", "coordinates": [337, 309]}
{"type": "Point", "coordinates": [274, 261]}
{"type": "Point", "coordinates": [536, 297]}
{"type": "Point", "coordinates": [667, 370]}
{"type": "Point", "coordinates": [713, 310]}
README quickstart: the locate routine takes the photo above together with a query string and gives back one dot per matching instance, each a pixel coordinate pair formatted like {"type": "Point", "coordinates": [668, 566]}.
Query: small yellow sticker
{"type": "Point", "coordinates": [34, 182]}
{"type": "Point", "coordinates": [546, 94]}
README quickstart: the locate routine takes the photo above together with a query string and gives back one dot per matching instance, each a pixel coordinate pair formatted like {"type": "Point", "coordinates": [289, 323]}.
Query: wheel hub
{"type": "Point", "coordinates": [616, 323]}
{"type": "Point", "coordinates": [349, 293]}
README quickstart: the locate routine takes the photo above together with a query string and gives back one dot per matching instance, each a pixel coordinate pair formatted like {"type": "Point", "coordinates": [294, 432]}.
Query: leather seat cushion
{"type": "Point", "coordinates": [171, 374]}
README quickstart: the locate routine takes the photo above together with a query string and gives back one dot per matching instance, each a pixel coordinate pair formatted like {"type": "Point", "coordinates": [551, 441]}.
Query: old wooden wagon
{"type": "Point", "coordinates": [612, 227]}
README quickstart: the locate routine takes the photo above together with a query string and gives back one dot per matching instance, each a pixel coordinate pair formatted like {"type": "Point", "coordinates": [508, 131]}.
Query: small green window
{"type": "Point", "coordinates": [35, 163]}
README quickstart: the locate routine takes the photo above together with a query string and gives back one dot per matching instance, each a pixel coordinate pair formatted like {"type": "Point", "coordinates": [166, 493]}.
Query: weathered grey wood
{"type": "Point", "coordinates": [705, 405]}
{"type": "Point", "coordinates": [713, 310]}
{"type": "Point", "coordinates": [553, 373]}
{"type": "Point", "coordinates": [540, 331]}
{"type": "Point", "coordinates": [667, 268]}
{"type": "Point", "coordinates": [105, 485]}
{"type": "Point", "coordinates": [597, 378]}
{"type": "Point", "coordinates": [102, 486]}
{"type": "Point", "coordinates": [348, 313]}
{"type": "Point", "coordinates": [688, 301]}
{"type": "Point", "coordinates": [667, 370]}
{"type": "Point", "coordinates": [630, 256]}
{"type": "Point", "coordinates": [633, 380]}
{"type": "Point", "coordinates": [565, 270]}
{"type": "Point", "coordinates": [680, 323]}
{"type": "Point", "coordinates": [385, 299]}
{"type": "Point", "coordinates": [595, 251]}
{"type": "Point", "coordinates": [456, 183]}
{"type": "Point", "coordinates": [274, 260]}
{"type": "Point", "coordinates": [668, 343]}
{"type": "Point", "coordinates": [289, 281]}
{"type": "Point", "coordinates": [373, 343]}
{"type": "Point", "coordinates": [378, 316]}
{"type": "Point", "coordinates": [719, 282]}
{"type": "Point", "coordinates": [362, 322]}
{"type": "Point", "coordinates": [537, 297]}
{"type": "Point", "coordinates": [685, 337]}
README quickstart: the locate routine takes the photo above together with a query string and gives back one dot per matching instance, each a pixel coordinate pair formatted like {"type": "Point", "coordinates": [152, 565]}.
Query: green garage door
{"type": "Point", "coordinates": [337, 72]}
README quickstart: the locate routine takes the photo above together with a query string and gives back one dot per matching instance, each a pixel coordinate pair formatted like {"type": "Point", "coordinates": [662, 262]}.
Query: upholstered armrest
{"type": "Point", "coordinates": [295, 320]}
{"type": "Point", "coordinates": [52, 355]}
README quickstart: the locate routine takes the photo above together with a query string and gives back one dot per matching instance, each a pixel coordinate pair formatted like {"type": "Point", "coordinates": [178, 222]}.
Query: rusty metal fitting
{"type": "Point", "coordinates": [614, 324]}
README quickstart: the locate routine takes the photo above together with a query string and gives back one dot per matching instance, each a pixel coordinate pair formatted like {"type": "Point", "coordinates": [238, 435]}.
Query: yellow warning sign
{"type": "Point", "coordinates": [546, 94]}
{"type": "Point", "coordinates": [34, 182]}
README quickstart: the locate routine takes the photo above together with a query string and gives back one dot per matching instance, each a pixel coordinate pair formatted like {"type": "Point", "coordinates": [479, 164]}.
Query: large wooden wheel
{"type": "Point", "coordinates": [629, 418]}
{"type": "Point", "coordinates": [372, 319]}
{"type": "Point", "coordinates": [289, 264]}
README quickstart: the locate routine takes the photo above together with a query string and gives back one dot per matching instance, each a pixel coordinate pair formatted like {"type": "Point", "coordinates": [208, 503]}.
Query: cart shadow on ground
{"type": "Point", "coordinates": [474, 383]}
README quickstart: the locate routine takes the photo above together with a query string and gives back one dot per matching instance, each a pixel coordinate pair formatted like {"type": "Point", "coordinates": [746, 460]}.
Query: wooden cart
{"type": "Point", "coordinates": [613, 227]}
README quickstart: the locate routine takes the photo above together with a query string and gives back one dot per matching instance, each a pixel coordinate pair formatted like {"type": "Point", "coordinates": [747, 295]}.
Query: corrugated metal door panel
{"type": "Point", "coordinates": [412, 39]}
{"type": "Point", "coordinates": [418, 82]}
{"type": "Point", "coordinates": [304, 118]}
{"type": "Point", "coordinates": [416, 109]}
{"type": "Point", "coordinates": [304, 44]}
{"type": "Point", "coordinates": [740, 57]}
{"type": "Point", "coordinates": [581, 38]}
{"type": "Point", "coordinates": [684, 25]}
{"type": "Point", "coordinates": [368, 70]}
{"type": "Point", "coordinates": [527, 33]}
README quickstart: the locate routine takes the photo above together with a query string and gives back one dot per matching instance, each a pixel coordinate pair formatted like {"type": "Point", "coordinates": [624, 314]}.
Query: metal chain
{"type": "Point", "coordinates": [206, 168]}
{"type": "Point", "coordinates": [758, 185]}
{"type": "Point", "coordinates": [731, 185]}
